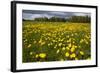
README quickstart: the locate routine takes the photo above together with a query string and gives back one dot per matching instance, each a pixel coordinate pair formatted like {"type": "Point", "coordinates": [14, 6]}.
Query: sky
{"type": "Point", "coordinates": [31, 14]}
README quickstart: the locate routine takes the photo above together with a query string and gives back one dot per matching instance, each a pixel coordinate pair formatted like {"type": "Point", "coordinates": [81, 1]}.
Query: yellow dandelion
{"type": "Point", "coordinates": [54, 40]}
{"type": "Point", "coordinates": [31, 53]}
{"type": "Point", "coordinates": [29, 46]}
{"type": "Point", "coordinates": [81, 52]}
{"type": "Point", "coordinates": [54, 46]}
{"type": "Point", "coordinates": [67, 48]}
{"type": "Point", "coordinates": [36, 55]}
{"type": "Point", "coordinates": [60, 44]}
{"type": "Point", "coordinates": [34, 42]}
{"type": "Point", "coordinates": [73, 42]}
{"type": "Point", "coordinates": [49, 44]}
{"type": "Point", "coordinates": [72, 49]}
{"type": "Point", "coordinates": [66, 54]}
{"type": "Point", "coordinates": [72, 35]}
{"type": "Point", "coordinates": [58, 51]}
{"type": "Point", "coordinates": [86, 41]}
{"type": "Point", "coordinates": [40, 40]}
{"type": "Point", "coordinates": [63, 48]}
{"type": "Point", "coordinates": [82, 40]}
{"type": "Point", "coordinates": [69, 45]}
{"type": "Point", "coordinates": [42, 55]}
{"type": "Point", "coordinates": [75, 46]}
{"type": "Point", "coordinates": [73, 55]}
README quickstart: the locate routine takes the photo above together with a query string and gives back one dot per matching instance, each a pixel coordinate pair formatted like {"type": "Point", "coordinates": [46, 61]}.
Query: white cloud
{"type": "Point", "coordinates": [81, 14]}
{"type": "Point", "coordinates": [30, 15]}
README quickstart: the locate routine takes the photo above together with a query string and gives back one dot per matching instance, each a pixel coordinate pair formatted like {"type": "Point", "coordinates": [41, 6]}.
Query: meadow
{"type": "Point", "coordinates": [55, 41]}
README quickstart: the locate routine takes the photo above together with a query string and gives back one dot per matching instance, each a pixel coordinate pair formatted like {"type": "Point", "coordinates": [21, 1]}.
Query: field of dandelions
{"type": "Point", "coordinates": [56, 41]}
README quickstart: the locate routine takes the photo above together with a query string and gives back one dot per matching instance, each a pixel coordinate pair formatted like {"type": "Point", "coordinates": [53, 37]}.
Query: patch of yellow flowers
{"type": "Point", "coordinates": [42, 55]}
{"type": "Point", "coordinates": [73, 55]}
{"type": "Point", "coordinates": [59, 38]}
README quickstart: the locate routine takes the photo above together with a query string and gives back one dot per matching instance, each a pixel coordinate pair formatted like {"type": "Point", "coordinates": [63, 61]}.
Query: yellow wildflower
{"type": "Point", "coordinates": [31, 53]}
{"type": "Point", "coordinates": [40, 40]}
{"type": "Point", "coordinates": [82, 40]}
{"type": "Point", "coordinates": [63, 48]}
{"type": "Point", "coordinates": [81, 52]}
{"type": "Point", "coordinates": [60, 44]}
{"type": "Point", "coordinates": [54, 40]}
{"type": "Point", "coordinates": [69, 45]}
{"type": "Point", "coordinates": [86, 41]}
{"type": "Point", "coordinates": [66, 54]}
{"type": "Point", "coordinates": [58, 51]}
{"type": "Point", "coordinates": [49, 44]}
{"type": "Point", "coordinates": [34, 42]}
{"type": "Point", "coordinates": [29, 45]}
{"type": "Point", "coordinates": [42, 55]}
{"type": "Point", "coordinates": [75, 46]}
{"type": "Point", "coordinates": [73, 55]}
{"type": "Point", "coordinates": [67, 48]}
{"type": "Point", "coordinates": [72, 49]}
{"type": "Point", "coordinates": [37, 56]}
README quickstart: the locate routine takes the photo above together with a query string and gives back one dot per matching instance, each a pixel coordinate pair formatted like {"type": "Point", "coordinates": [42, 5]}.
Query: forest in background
{"type": "Point", "coordinates": [74, 19]}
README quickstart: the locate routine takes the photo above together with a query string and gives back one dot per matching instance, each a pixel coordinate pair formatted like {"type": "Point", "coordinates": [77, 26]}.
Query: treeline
{"type": "Point", "coordinates": [52, 19]}
{"type": "Point", "coordinates": [83, 19]}
{"type": "Point", "coordinates": [77, 19]}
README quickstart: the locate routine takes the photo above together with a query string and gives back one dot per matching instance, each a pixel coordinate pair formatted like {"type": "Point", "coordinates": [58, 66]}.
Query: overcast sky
{"type": "Point", "coordinates": [31, 14]}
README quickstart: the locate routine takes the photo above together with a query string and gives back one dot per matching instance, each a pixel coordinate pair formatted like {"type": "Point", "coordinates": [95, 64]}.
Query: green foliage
{"type": "Point", "coordinates": [74, 19]}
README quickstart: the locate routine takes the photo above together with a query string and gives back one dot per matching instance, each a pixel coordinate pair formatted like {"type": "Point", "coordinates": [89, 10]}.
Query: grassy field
{"type": "Point", "coordinates": [56, 41]}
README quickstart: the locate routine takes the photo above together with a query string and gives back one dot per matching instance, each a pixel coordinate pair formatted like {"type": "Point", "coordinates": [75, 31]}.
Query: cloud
{"type": "Point", "coordinates": [31, 14]}
{"type": "Point", "coordinates": [81, 14]}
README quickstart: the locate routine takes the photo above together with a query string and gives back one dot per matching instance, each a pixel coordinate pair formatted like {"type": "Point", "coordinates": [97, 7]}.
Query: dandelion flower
{"type": "Point", "coordinates": [69, 45]}
{"type": "Point", "coordinates": [75, 46]}
{"type": "Point", "coordinates": [63, 48]}
{"type": "Point", "coordinates": [66, 54]}
{"type": "Point", "coordinates": [81, 52]}
{"type": "Point", "coordinates": [72, 49]}
{"type": "Point", "coordinates": [36, 55]}
{"type": "Point", "coordinates": [73, 55]}
{"type": "Point", "coordinates": [60, 44]}
{"type": "Point", "coordinates": [34, 42]}
{"type": "Point", "coordinates": [29, 46]}
{"type": "Point", "coordinates": [31, 53]}
{"type": "Point", "coordinates": [67, 48]}
{"type": "Point", "coordinates": [58, 51]}
{"type": "Point", "coordinates": [42, 55]}
{"type": "Point", "coordinates": [49, 44]}
{"type": "Point", "coordinates": [82, 40]}
{"type": "Point", "coordinates": [40, 41]}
